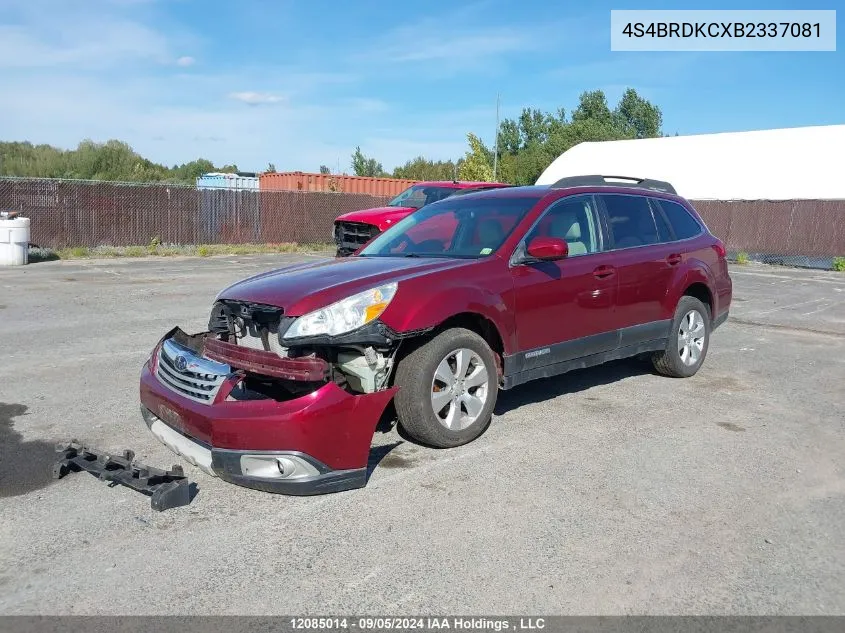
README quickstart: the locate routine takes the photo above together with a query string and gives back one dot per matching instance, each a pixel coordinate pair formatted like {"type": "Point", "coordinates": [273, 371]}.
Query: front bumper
{"type": "Point", "coordinates": [314, 444]}
{"type": "Point", "coordinates": [350, 236]}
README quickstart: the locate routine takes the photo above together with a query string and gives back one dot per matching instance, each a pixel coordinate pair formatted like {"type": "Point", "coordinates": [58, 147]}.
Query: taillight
{"type": "Point", "coordinates": [720, 249]}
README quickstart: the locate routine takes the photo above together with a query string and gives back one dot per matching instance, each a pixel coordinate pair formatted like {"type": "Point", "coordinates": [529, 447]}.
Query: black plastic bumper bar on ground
{"type": "Point", "coordinates": [167, 488]}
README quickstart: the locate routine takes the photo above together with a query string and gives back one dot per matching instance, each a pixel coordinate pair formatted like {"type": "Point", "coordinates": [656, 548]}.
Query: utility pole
{"type": "Point", "coordinates": [496, 145]}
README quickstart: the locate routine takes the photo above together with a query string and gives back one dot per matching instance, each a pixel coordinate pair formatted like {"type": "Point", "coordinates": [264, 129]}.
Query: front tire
{"type": "Point", "coordinates": [447, 389]}
{"type": "Point", "coordinates": [688, 340]}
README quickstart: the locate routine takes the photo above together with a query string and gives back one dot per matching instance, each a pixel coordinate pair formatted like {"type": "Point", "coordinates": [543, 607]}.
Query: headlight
{"type": "Point", "coordinates": [344, 316]}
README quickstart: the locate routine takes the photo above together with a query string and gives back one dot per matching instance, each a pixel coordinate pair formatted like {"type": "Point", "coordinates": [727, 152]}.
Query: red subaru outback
{"type": "Point", "coordinates": [353, 230]}
{"type": "Point", "coordinates": [465, 297]}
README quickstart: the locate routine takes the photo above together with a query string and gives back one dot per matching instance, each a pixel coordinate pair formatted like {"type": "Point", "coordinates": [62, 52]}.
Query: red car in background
{"type": "Point", "coordinates": [353, 230]}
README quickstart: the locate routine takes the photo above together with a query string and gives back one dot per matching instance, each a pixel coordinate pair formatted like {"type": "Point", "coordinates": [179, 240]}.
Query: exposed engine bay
{"type": "Point", "coordinates": [248, 337]}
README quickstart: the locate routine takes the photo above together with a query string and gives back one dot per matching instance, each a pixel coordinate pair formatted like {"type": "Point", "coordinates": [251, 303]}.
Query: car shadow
{"type": "Point", "coordinates": [571, 382]}
{"type": "Point", "coordinates": [377, 454]}
{"type": "Point", "coordinates": [25, 466]}
{"type": "Point", "coordinates": [526, 394]}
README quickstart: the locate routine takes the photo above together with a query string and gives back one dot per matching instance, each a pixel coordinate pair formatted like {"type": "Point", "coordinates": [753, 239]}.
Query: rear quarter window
{"type": "Point", "coordinates": [683, 224]}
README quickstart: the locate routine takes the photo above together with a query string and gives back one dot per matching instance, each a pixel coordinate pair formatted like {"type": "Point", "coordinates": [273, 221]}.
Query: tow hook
{"type": "Point", "coordinates": [167, 488]}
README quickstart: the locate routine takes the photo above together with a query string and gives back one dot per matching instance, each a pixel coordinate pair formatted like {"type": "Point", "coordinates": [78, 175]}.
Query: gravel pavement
{"type": "Point", "coordinates": [605, 491]}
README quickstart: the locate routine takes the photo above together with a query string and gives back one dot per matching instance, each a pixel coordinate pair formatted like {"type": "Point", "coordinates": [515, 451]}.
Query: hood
{"type": "Point", "coordinates": [382, 217]}
{"type": "Point", "coordinates": [301, 288]}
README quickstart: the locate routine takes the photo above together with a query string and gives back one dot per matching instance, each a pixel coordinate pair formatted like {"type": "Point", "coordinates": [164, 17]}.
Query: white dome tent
{"type": "Point", "coordinates": [803, 163]}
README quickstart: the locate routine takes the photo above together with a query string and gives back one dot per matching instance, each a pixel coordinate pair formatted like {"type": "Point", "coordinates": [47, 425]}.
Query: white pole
{"type": "Point", "coordinates": [496, 145]}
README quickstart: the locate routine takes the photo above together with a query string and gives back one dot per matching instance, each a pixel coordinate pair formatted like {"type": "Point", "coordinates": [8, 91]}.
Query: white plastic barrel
{"type": "Point", "coordinates": [14, 241]}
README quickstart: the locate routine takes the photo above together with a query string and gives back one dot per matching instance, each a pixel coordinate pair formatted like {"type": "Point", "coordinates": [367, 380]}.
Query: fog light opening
{"type": "Point", "coordinates": [269, 466]}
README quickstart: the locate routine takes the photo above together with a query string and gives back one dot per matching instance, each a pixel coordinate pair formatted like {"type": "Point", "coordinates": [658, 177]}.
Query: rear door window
{"type": "Point", "coordinates": [630, 221]}
{"type": "Point", "coordinates": [684, 225]}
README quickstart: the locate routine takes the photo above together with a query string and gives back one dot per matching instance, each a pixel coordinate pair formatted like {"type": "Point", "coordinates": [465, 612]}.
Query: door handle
{"type": "Point", "coordinates": [674, 259]}
{"type": "Point", "coordinates": [603, 272]}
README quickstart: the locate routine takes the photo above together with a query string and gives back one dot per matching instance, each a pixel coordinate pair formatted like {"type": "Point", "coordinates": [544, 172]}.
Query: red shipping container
{"type": "Point", "coordinates": [301, 181]}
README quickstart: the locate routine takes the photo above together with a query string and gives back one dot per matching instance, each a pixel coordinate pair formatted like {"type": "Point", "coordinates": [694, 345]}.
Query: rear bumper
{"type": "Point", "coordinates": [314, 444]}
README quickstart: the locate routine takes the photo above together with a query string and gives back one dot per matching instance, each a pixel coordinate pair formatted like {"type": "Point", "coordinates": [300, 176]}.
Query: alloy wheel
{"type": "Point", "coordinates": [459, 389]}
{"type": "Point", "coordinates": [691, 335]}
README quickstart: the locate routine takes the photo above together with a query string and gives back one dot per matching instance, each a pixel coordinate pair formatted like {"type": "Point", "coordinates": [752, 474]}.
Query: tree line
{"type": "Point", "coordinates": [526, 146]}
{"type": "Point", "coordinates": [529, 143]}
{"type": "Point", "coordinates": [113, 160]}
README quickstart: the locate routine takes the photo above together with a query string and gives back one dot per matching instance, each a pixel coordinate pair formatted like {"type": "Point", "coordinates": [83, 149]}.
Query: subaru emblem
{"type": "Point", "coordinates": [180, 362]}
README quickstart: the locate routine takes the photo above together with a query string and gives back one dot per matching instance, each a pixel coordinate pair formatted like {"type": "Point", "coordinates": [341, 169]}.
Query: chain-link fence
{"type": "Point", "coordinates": [807, 233]}
{"type": "Point", "coordinates": [67, 213]}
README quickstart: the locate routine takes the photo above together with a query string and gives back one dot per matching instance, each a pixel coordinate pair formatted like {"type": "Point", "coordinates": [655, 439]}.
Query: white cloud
{"type": "Point", "coordinates": [464, 40]}
{"type": "Point", "coordinates": [457, 47]}
{"type": "Point", "coordinates": [101, 44]}
{"type": "Point", "coordinates": [108, 69]}
{"type": "Point", "coordinates": [256, 98]}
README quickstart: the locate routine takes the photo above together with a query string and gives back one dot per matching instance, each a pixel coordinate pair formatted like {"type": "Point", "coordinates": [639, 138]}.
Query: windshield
{"type": "Point", "coordinates": [457, 227]}
{"type": "Point", "coordinates": [421, 195]}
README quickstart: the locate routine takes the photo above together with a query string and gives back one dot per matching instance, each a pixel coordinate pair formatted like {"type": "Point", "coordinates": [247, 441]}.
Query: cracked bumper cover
{"type": "Point", "coordinates": [314, 444]}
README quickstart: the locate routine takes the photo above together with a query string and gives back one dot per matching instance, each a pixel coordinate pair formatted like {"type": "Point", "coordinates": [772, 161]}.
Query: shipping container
{"type": "Point", "coordinates": [301, 181]}
{"type": "Point", "coordinates": [227, 181]}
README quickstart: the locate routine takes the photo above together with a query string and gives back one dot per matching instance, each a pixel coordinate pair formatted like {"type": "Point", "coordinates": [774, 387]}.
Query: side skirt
{"type": "Point", "coordinates": [592, 360]}
{"type": "Point", "coordinates": [719, 320]}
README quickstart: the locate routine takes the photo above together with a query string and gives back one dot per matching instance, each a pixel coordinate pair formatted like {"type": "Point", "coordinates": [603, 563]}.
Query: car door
{"type": "Point", "coordinates": [564, 308]}
{"type": "Point", "coordinates": [645, 258]}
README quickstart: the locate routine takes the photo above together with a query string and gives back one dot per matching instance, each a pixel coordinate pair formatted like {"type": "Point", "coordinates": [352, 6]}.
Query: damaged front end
{"type": "Point", "coordinates": [241, 404]}
{"type": "Point", "coordinates": [359, 362]}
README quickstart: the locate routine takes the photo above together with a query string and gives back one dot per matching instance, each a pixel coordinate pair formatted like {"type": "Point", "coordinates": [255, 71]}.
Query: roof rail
{"type": "Point", "coordinates": [602, 181]}
{"type": "Point", "coordinates": [463, 192]}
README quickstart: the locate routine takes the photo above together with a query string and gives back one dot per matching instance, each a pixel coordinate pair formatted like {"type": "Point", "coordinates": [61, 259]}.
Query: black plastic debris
{"type": "Point", "coordinates": [167, 488]}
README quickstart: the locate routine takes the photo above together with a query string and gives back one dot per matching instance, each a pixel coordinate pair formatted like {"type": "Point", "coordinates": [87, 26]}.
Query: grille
{"type": "Point", "coordinates": [199, 380]}
{"type": "Point", "coordinates": [353, 235]}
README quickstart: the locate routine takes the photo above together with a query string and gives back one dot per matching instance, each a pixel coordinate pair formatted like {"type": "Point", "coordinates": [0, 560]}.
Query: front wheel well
{"type": "Point", "coordinates": [479, 324]}
{"type": "Point", "coordinates": [701, 292]}
{"type": "Point", "coordinates": [472, 321]}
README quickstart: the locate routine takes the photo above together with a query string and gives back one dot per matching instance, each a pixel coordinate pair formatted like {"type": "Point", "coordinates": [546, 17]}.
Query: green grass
{"type": "Point", "coordinates": [839, 264]}
{"type": "Point", "coordinates": [742, 258]}
{"type": "Point", "coordinates": [156, 249]}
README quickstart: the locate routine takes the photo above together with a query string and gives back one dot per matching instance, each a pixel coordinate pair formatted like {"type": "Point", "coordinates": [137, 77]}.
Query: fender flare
{"type": "Point", "coordinates": [431, 311]}
{"type": "Point", "coordinates": [695, 271]}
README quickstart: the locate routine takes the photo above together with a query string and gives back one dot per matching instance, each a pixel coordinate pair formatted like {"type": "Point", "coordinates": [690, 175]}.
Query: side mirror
{"type": "Point", "coordinates": [547, 248]}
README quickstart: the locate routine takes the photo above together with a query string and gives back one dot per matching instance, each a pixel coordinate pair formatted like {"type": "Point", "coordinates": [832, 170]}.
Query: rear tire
{"type": "Point", "coordinates": [447, 389]}
{"type": "Point", "coordinates": [688, 341]}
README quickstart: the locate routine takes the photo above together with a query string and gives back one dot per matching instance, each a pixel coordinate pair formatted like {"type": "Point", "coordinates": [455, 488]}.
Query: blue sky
{"type": "Point", "coordinates": [301, 83]}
